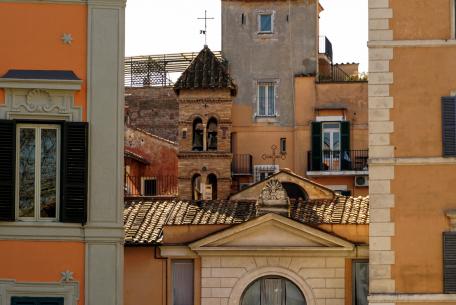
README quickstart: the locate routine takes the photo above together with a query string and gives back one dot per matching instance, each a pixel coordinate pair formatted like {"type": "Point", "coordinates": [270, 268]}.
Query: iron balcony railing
{"type": "Point", "coordinates": [325, 47]}
{"type": "Point", "coordinates": [336, 160]}
{"type": "Point", "coordinates": [242, 165]}
{"type": "Point", "coordinates": [135, 186]}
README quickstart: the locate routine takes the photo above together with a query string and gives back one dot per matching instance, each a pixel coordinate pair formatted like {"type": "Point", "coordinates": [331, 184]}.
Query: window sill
{"type": "Point", "coordinates": [266, 119]}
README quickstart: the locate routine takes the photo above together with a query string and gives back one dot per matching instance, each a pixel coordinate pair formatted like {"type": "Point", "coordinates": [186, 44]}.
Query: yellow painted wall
{"type": "Point", "coordinates": [421, 77]}
{"type": "Point", "coordinates": [144, 277]}
{"type": "Point", "coordinates": [423, 194]}
{"type": "Point", "coordinates": [42, 261]}
{"type": "Point", "coordinates": [421, 19]}
{"type": "Point", "coordinates": [31, 39]}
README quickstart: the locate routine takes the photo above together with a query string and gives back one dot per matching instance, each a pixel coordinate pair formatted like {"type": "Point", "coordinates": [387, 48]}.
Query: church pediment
{"type": "Point", "coordinates": [271, 232]}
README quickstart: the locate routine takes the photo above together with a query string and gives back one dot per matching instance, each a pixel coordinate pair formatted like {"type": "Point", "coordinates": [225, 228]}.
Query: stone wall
{"type": "Point", "coordinates": [224, 278]}
{"type": "Point", "coordinates": [153, 109]}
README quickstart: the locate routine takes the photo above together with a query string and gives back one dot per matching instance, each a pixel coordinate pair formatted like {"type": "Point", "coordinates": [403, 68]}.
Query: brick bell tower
{"type": "Point", "coordinates": [205, 93]}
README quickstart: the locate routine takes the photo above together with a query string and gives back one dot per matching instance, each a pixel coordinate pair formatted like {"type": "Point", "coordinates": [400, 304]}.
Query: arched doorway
{"type": "Point", "coordinates": [212, 181]}
{"type": "Point", "coordinates": [196, 187]}
{"type": "Point", "coordinates": [294, 191]}
{"type": "Point", "coordinates": [273, 290]}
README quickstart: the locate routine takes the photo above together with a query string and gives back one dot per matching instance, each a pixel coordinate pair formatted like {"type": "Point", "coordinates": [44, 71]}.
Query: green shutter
{"type": "Point", "coordinates": [345, 145]}
{"type": "Point", "coordinates": [74, 172]}
{"type": "Point", "coordinates": [449, 126]}
{"type": "Point", "coordinates": [316, 147]}
{"type": "Point", "coordinates": [7, 169]}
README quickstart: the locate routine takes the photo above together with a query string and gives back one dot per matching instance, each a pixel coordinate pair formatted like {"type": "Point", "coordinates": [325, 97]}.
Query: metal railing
{"type": "Point", "coordinates": [336, 160]}
{"type": "Point", "coordinates": [325, 47]}
{"type": "Point", "coordinates": [242, 165]}
{"type": "Point", "coordinates": [135, 186]}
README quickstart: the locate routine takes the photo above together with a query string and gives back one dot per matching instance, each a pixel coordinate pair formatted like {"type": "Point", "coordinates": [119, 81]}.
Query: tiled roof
{"type": "Point", "coordinates": [205, 72]}
{"type": "Point", "coordinates": [144, 221]}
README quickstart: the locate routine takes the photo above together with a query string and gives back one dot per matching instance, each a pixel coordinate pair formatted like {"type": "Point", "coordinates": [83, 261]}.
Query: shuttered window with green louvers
{"type": "Point", "coordinates": [73, 173]}
{"type": "Point", "coordinates": [449, 126]}
{"type": "Point", "coordinates": [449, 262]}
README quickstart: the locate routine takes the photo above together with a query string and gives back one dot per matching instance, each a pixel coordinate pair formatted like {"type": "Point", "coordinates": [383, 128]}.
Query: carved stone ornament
{"type": "Point", "coordinates": [273, 191]}
{"type": "Point", "coordinates": [66, 276]}
{"type": "Point", "coordinates": [273, 199]}
{"type": "Point", "coordinates": [40, 102]}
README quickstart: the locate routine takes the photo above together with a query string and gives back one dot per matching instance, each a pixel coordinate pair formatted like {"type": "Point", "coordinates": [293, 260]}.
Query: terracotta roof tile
{"type": "Point", "coordinates": [144, 221]}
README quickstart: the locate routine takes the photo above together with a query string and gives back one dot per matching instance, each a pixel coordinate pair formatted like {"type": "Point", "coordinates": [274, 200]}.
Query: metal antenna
{"type": "Point", "coordinates": [204, 32]}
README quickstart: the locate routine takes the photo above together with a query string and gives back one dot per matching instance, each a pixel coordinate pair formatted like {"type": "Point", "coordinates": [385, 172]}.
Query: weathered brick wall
{"type": "Point", "coordinates": [154, 110]}
{"type": "Point", "coordinates": [323, 276]}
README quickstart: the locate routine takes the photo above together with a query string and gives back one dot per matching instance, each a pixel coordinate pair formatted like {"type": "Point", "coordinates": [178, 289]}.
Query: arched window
{"type": "Point", "coordinates": [294, 191]}
{"type": "Point", "coordinates": [196, 187]}
{"type": "Point", "coordinates": [212, 134]}
{"type": "Point", "coordinates": [212, 181]}
{"type": "Point", "coordinates": [273, 290]}
{"type": "Point", "coordinates": [198, 134]}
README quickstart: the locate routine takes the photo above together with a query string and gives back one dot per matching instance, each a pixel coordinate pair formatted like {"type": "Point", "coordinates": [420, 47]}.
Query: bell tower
{"type": "Point", "coordinates": [205, 93]}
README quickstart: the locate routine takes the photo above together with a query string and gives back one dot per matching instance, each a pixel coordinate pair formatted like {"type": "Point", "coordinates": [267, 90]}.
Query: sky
{"type": "Point", "coordinates": [171, 26]}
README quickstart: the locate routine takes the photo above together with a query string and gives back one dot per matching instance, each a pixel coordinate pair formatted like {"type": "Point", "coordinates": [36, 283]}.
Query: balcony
{"type": "Point", "coordinates": [140, 186]}
{"type": "Point", "coordinates": [242, 165]}
{"type": "Point", "coordinates": [336, 162]}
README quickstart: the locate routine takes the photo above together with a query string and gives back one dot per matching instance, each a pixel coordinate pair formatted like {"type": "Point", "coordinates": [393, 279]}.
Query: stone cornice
{"type": "Point", "coordinates": [204, 155]}
{"type": "Point", "coordinates": [205, 100]}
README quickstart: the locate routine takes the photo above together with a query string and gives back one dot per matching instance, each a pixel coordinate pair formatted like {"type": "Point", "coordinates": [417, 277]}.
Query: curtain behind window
{"type": "Point", "coordinates": [360, 282]}
{"type": "Point", "coordinates": [182, 282]}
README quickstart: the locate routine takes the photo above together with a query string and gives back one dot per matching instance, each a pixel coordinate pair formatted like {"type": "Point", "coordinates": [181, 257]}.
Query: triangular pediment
{"type": "Point", "coordinates": [271, 232]}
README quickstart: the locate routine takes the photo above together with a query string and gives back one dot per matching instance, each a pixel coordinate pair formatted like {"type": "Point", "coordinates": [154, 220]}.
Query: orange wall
{"type": "Point", "coordinates": [144, 277]}
{"type": "Point", "coordinates": [422, 195]}
{"type": "Point", "coordinates": [349, 181]}
{"type": "Point", "coordinates": [31, 39]}
{"type": "Point", "coordinates": [421, 19]}
{"type": "Point", "coordinates": [42, 261]}
{"type": "Point", "coordinates": [421, 77]}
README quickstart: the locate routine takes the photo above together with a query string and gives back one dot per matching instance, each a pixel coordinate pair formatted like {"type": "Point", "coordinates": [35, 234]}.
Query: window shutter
{"type": "Point", "coordinates": [449, 262]}
{"type": "Point", "coordinates": [449, 125]}
{"type": "Point", "coordinates": [7, 166]}
{"type": "Point", "coordinates": [345, 145]}
{"type": "Point", "coordinates": [316, 146]}
{"type": "Point", "coordinates": [74, 172]}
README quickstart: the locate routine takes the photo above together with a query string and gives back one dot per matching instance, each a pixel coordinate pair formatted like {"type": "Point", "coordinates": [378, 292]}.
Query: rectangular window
{"type": "Point", "coordinates": [266, 99]}
{"type": "Point", "coordinates": [149, 186]}
{"type": "Point", "coordinates": [360, 282]}
{"type": "Point", "coordinates": [37, 171]}
{"type": "Point", "coordinates": [449, 126]}
{"type": "Point", "coordinates": [183, 282]}
{"type": "Point", "coordinates": [265, 23]}
{"type": "Point", "coordinates": [283, 145]}
{"type": "Point", "coordinates": [262, 172]}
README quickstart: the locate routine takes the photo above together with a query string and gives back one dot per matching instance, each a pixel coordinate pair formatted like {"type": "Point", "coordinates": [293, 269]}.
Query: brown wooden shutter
{"type": "Point", "coordinates": [7, 169]}
{"type": "Point", "coordinates": [74, 172]}
{"type": "Point", "coordinates": [449, 262]}
{"type": "Point", "coordinates": [449, 126]}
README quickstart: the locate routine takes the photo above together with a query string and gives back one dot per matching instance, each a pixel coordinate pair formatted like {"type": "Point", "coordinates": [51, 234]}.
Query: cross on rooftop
{"type": "Point", "coordinates": [274, 156]}
{"type": "Point", "coordinates": [204, 32]}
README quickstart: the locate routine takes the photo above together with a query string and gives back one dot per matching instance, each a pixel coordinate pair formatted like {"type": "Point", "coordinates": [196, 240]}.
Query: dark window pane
{"type": "Point", "coordinates": [265, 23]}
{"type": "Point", "coordinates": [252, 295]}
{"type": "Point", "coordinates": [271, 100]}
{"type": "Point", "coordinates": [294, 296]}
{"type": "Point", "coordinates": [48, 173]}
{"type": "Point", "coordinates": [27, 172]}
{"type": "Point", "coordinates": [262, 100]}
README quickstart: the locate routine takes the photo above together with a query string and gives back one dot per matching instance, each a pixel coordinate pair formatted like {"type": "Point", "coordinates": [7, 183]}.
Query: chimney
{"type": "Point", "coordinates": [273, 199]}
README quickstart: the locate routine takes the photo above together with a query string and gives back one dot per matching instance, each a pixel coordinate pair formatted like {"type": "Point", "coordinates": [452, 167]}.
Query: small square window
{"type": "Point", "coordinates": [265, 23]}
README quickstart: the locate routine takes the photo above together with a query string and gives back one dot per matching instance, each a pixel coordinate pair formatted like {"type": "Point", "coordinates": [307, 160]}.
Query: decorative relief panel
{"type": "Point", "coordinates": [40, 103]}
